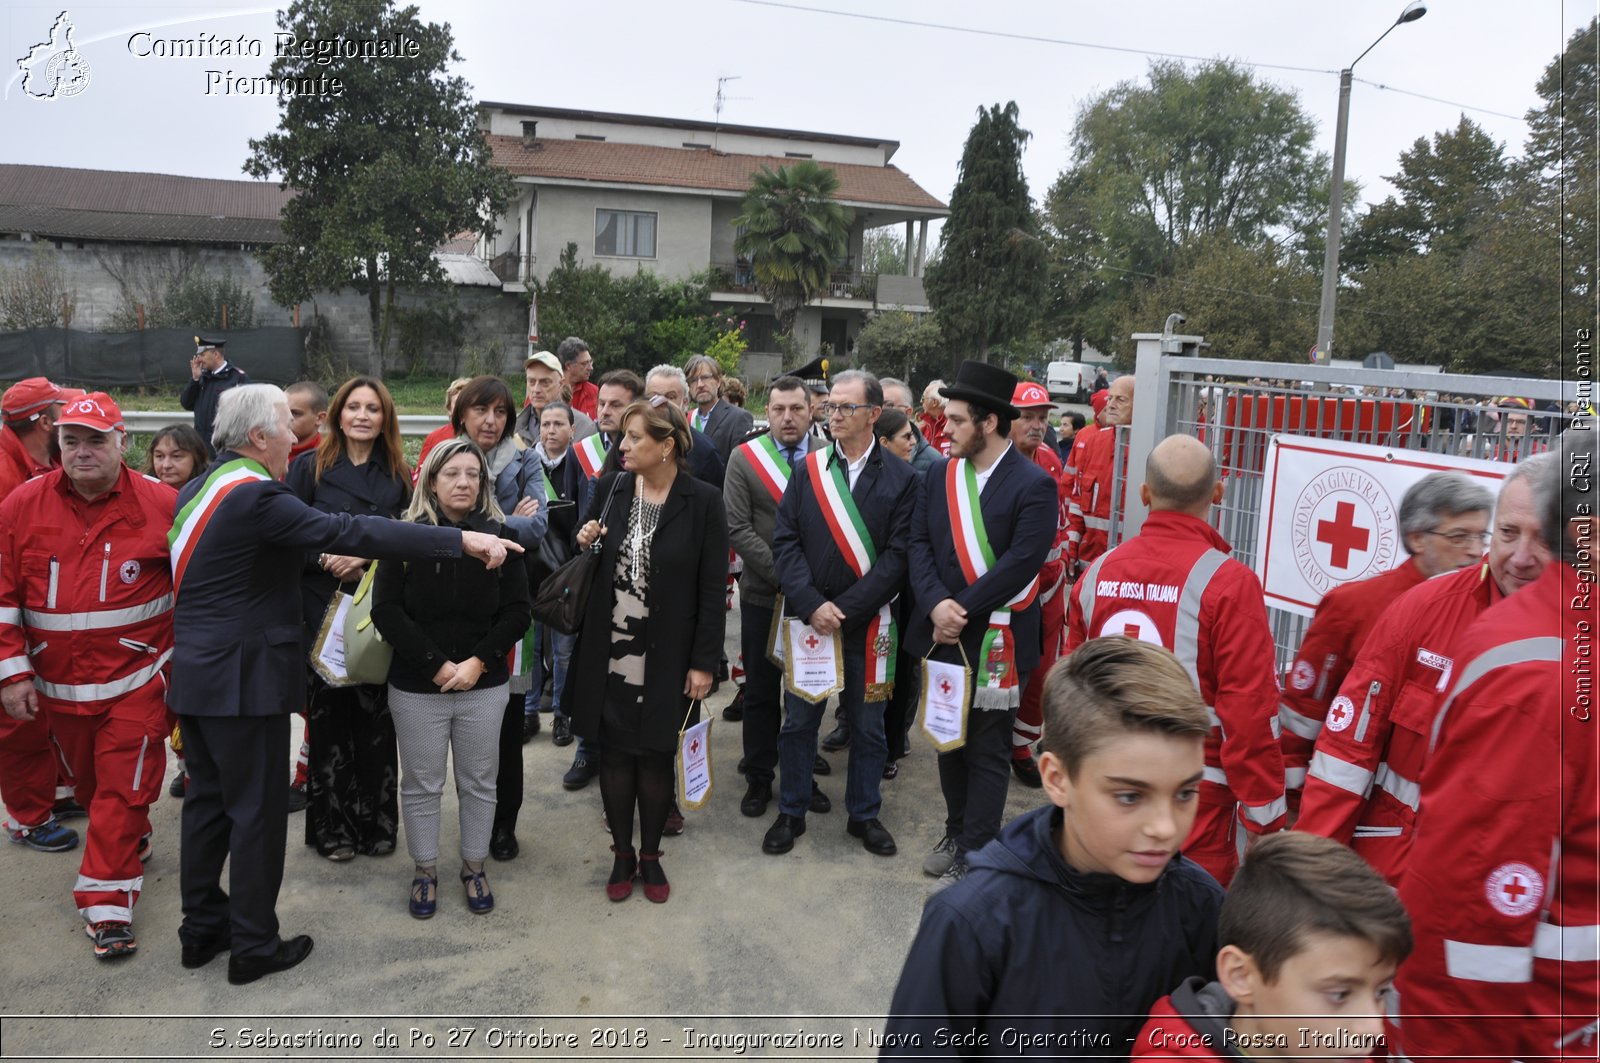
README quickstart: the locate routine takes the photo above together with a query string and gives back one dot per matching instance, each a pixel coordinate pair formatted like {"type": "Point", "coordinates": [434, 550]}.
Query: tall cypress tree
{"type": "Point", "coordinates": [989, 283]}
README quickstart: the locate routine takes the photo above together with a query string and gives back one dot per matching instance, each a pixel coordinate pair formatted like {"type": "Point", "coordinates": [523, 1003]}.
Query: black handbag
{"type": "Point", "coordinates": [564, 594]}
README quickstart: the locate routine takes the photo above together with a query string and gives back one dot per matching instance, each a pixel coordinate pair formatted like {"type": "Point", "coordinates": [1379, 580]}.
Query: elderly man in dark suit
{"type": "Point", "coordinates": [991, 583]}
{"type": "Point", "coordinates": [238, 669]}
{"type": "Point", "coordinates": [839, 547]}
{"type": "Point", "coordinates": [724, 423]}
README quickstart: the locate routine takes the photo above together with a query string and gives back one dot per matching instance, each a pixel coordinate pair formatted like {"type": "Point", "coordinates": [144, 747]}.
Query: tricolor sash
{"type": "Point", "coordinates": [850, 535]}
{"type": "Point", "coordinates": [699, 421]}
{"type": "Point", "coordinates": [997, 668]}
{"type": "Point", "coordinates": [769, 464]}
{"type": "Point", "coordinates": [591, 453]}
{"type": "Point", "coordinates": [193, 518]}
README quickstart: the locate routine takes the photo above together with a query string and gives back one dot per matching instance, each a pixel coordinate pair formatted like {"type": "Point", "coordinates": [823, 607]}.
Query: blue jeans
{"type": "Point", "coordinates": [797, 743]}
{"type": "Point", "coordinates": [558, 648]}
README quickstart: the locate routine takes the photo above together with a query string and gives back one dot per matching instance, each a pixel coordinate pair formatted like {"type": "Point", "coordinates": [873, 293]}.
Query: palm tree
{"type": "Point", "coordinates": [793, 232]}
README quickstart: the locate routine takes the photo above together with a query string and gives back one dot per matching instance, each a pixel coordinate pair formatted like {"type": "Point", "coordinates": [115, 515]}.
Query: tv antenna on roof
{"type": "Point", "coordinates": [722, 99]}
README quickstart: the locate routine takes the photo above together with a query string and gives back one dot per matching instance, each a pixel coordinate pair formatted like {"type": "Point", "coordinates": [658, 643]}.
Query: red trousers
{"type": "Point", "coordinates": [1217, 840]}
{"type": "Point", "coordinates": [1029, 724]}
{"type": "Point", "coordinates": [119, 759]}
{"type": "Point", "coordinates": [30, 767]}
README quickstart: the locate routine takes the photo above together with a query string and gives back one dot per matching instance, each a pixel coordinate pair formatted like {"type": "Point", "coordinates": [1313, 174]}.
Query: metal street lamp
{"type": "Point", "coordinates": [1330, 263]}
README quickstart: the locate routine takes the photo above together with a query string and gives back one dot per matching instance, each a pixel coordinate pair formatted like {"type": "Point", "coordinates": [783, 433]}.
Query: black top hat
{"type": "Point", "coordinates": [814, 374]}
{"type": "Point", "coordinates": [988, 385]}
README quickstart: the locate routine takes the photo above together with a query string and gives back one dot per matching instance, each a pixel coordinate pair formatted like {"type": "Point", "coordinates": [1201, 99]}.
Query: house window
{"type": "Point", "coordinates": [587, 136]}
{"type": "Point", "coordinates": [626, 233]}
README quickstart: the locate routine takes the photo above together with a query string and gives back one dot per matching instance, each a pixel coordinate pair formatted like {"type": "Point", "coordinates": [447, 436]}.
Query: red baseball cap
{"type": "Point", "coordinates": [95, 410]}
{"type": "Point", "coordinates": [1029, 395]}
{"type": "Point", "coordinates": [1099, 399]}
{"type": "Point", "coordinates": [27, 397]}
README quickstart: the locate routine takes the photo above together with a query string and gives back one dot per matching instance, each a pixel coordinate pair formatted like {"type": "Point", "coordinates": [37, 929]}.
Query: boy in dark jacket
{"type": "Point", "coordinates": [1313, 936]}
{"type": "Point", "coordinates": [1080, 915]}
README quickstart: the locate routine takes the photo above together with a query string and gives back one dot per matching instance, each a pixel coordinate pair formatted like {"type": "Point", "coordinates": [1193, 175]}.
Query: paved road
{"type": "Point", "coordinates": [819, 932]}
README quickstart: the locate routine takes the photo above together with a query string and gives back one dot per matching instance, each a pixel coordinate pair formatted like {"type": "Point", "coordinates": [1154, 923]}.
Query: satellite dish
{"type": "Point", "coordinates": [1378, 360]}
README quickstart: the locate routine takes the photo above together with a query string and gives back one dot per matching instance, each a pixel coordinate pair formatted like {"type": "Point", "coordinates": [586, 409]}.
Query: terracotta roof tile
{"type": "Point", "coordinates": [590, 160]}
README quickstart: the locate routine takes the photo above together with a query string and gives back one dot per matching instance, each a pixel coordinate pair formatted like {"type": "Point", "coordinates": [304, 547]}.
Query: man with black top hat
{"type": "Point", "coordinates": [815, 375]}
{"type": "Point", "coordinates": [211, 374]}
{"type": "Point", "coordinates": [975, 571]}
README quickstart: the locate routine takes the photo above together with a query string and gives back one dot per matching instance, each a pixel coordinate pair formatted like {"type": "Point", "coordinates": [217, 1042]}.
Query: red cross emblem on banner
{"type": "Point", "coordinates": [1342, 534]}
{"type": "Point", "coordinates": [694, 746]}
{"type": "Point", "coordinates": [944, 687]}
{"type": "Point", "coordinates": [812, 642]}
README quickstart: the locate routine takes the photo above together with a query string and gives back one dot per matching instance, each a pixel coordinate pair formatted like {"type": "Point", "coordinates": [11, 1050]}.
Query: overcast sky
{"type": "Point", "coordinates": [810, 70]}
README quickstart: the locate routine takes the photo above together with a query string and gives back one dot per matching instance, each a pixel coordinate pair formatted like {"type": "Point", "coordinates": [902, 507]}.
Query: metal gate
{"type": "Point", "coordinates": [1236, 407]}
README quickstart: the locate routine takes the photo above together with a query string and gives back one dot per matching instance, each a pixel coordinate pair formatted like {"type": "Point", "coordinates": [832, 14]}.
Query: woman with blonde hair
{"type": "Point", "coordinates": [358, 468]}
{"type": "Point", "coordinates": [652, 630]}
{"type": "Point", "coordinates": [452, 623]}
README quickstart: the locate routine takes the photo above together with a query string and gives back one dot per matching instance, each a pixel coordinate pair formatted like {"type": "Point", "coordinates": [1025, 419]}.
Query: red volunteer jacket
{"type": "Point", "coordinates": [1089, 507]}
{"type": "Point", "coordinates": [1344, 618]}
{"type": "Point", "coordinates": [1365, 780]}
{"type": "Point", "coordinates": [1173, 584]}
{"type": "Point", "coordinates": [1503, 881]}
{"type": "Point", "coordinates": [1051, 576]}
{"type": "Point", "coordinates": [17, 466]}
{"type": "Point", "coordinates": [85, 609]}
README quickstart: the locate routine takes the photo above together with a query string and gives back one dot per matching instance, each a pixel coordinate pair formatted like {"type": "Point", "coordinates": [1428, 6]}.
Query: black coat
{"type": "Point", "coordinates": [729, 424]}
{"type": "Point", "coordinates": [811, 567]}
{"type": "Point", "coordinates": [448, 610]}
{"type": "Point", "coordinates": [688, 575]}
{"type": "Point", "coordinates": [202, 397]}
{"type": "Point", "coordinates": [1026, 943]}
{"type": "Point", "coordinates": [1020, 511]}
{"type": "Point", "coordinates": [239, 645]}
{"type": "Point", "coordinates": [367, 490]}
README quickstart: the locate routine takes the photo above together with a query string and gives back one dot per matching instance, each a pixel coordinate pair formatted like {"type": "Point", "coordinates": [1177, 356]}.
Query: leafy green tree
{"type": "Point", "coordinates": [383, 172]}
{"type": "Point", "coordinates": [900, 343]}
{"type": "Point", "coordinates": [1444, 186]}
{"type": "Point", "coordinates": [1562, 150]}
{"type": "Point", "coordinates": [1251, 301]}
{"type": "Point", "coordinates": [1159, 165]}
{"type": "Point", "coordinates": [794, 233]}
{"type": "Point", "coordinates": [990, 279]}
{"type": "Point", "coordinates": [883, 251]}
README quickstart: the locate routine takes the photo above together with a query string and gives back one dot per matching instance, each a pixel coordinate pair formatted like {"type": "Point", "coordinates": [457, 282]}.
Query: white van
{"type": "Point", "coordinates": [1069, 381]}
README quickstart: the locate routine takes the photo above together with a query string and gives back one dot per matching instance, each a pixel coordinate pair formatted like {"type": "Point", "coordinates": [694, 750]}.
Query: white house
{"type": "Point", "coordinates": [661, 194]}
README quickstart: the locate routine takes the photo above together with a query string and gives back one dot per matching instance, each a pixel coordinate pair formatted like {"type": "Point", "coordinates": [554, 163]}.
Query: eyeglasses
{"type": "Point", "coordinates": [902, 407]}
{"type": "Point", "coordinates": [1462, 538]}
{"type": "Point", "coordinates": [847, 408]}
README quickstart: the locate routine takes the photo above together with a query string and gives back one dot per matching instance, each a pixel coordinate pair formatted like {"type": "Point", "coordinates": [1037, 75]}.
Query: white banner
{"type": "Point", "coordinates": [813, 663]}
{"type": "Point", "coordinates": [694, 765]}
{"type": "Point", "coordinates": [1330, 513]}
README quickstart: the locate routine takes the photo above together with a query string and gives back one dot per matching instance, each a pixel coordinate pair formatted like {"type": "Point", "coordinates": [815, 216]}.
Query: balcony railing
{"type": "Point", "coordinates": [842, 283]}
{"type": "Point", "coordinates": [513, 266]}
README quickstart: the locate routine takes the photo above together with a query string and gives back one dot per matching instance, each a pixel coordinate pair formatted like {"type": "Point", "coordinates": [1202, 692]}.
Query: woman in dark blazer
{"type": "Point", "coordinates": [358, 468]}
{"type": "Point", "coordinates": [652, 630]}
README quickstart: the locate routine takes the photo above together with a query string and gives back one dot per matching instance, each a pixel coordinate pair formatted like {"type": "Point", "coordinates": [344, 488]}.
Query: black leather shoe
{"type": "Point", "coordinates": [530, 726]}
{"type": "Point", "coordinates": [820, 766]}
{"type": "Point", "coordinates": [836, 739]}
{"type": "Point", "coordinates": [1026, 771]}
{"type": "Point", "coordinates": [756, 799]}
{"type": "Point", "coordinates": [242, 970]}
{"type": "Point", "coordinates": [874, 837]}
{"type": "Point", "coordinates": [578, 776]}
{"type": "Point", "coordinates": [503, 844]}
{"type": "Point", "coordinates": [298, 799]}
{"type": "Point", "coordinates": [781, 835]}
{"type": "Point", "coordinates": [819, 800]}
{"type": "Point", "coordinates": [195, 956]}
{"type": "Point", "coordinates": [734, 712]}
{"type": "Point", "coordinates": [561, 731]}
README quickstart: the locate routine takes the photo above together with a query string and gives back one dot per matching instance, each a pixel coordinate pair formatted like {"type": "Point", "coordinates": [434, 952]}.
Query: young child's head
{"type": "Point", "coordinates": [1124, 736]}
{"type": "Point", "coordinates": [1310, 934]}
{"type": "Point", "coordinates": [308, 408]}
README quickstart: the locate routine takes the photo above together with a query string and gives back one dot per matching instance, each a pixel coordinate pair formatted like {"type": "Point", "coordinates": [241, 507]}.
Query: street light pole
{"type": "Point", "coordinates": [1330, 261]}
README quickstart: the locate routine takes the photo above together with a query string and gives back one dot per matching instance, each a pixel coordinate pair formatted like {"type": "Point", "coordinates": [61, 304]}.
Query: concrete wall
{"type": "Point", "coordinates": [683, 229]}
{"type": "Point", "coordinates": [496, 321]}
{"type": "Point", "coordinates": [895, 290]}
{"type": "Point", "coordinates": [510, 125]}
